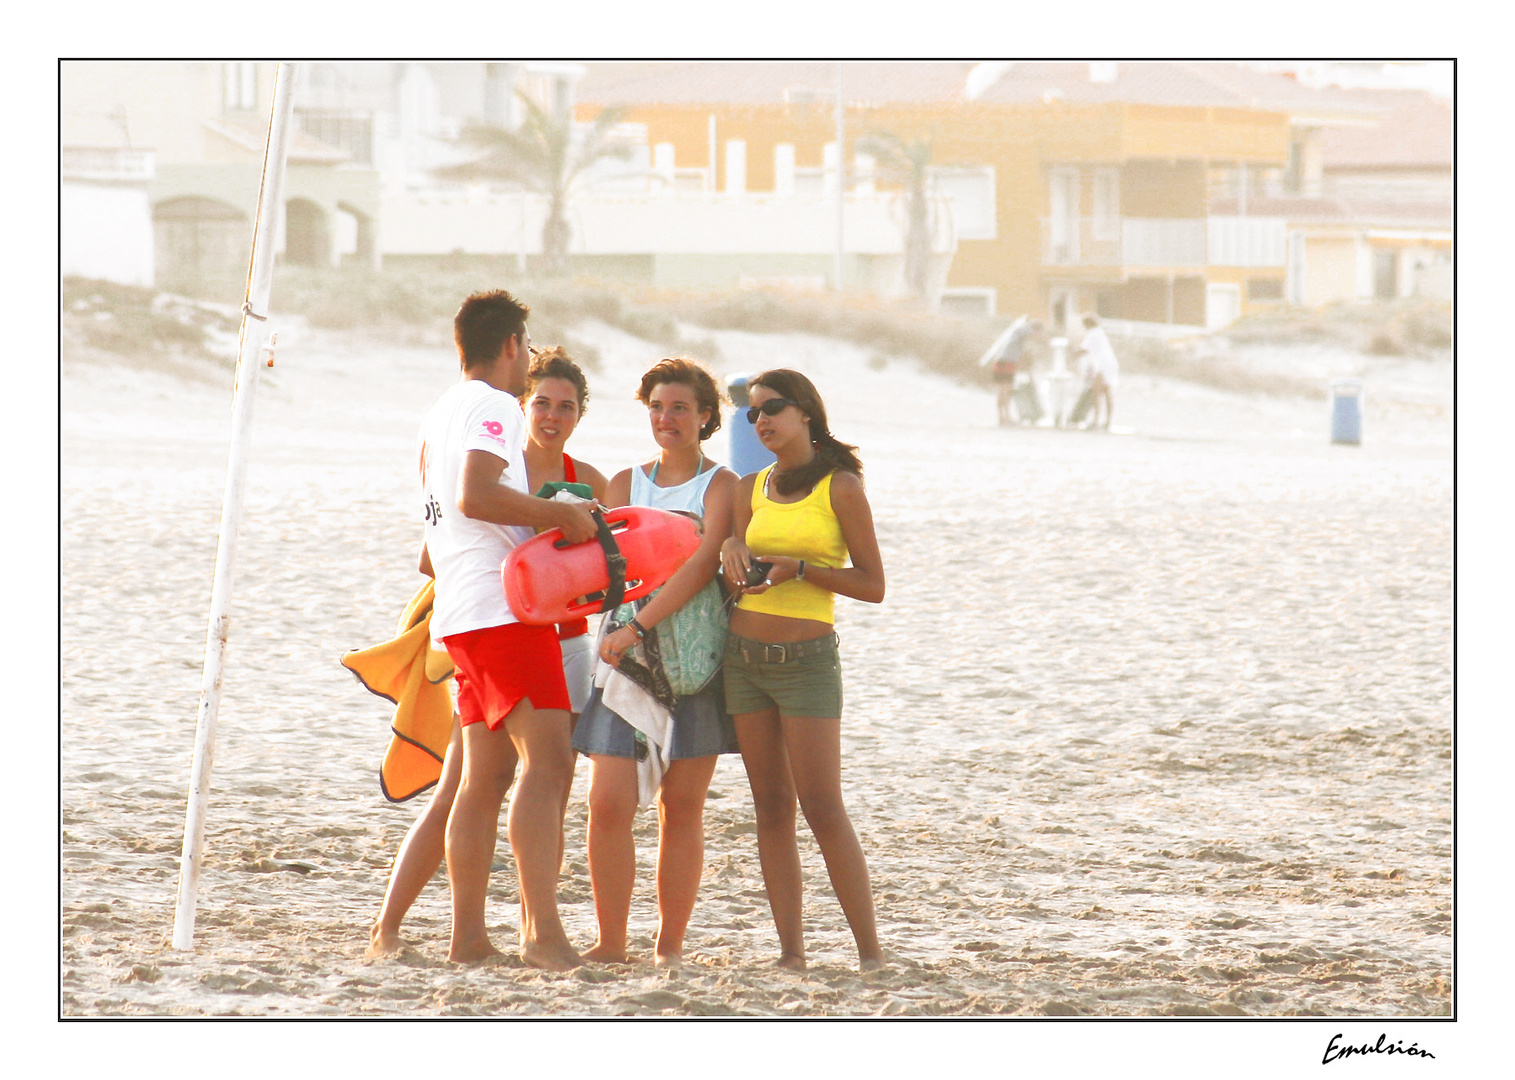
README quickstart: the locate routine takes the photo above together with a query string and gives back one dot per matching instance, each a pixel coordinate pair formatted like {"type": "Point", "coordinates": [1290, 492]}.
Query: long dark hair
{"type": "Point", "coordinates": [830, 452]}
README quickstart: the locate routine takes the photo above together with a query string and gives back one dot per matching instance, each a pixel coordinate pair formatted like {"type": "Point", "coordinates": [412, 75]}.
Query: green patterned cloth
{"type": "Point", "coordinates": [690, 643]}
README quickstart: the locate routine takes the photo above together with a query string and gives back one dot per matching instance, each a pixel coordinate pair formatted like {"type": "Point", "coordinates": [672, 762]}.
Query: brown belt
{"type": "Point", "coordinates": [757, 652]}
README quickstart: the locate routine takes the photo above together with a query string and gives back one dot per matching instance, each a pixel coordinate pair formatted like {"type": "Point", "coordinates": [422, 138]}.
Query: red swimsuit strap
{"type": "Point", "coordinates": [578, 626]}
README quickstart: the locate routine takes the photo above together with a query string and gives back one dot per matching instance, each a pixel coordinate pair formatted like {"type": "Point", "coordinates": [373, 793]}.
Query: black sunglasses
{"type": "Point", "coordinates": [772, 407]}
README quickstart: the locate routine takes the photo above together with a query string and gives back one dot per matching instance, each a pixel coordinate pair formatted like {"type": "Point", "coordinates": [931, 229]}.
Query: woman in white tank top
{"type": "Point", "coordinates": [683, 407]}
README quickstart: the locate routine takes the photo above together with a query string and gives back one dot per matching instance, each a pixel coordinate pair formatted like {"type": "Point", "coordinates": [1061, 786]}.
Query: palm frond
{"type": "Point", "coordinates": [541, 155]}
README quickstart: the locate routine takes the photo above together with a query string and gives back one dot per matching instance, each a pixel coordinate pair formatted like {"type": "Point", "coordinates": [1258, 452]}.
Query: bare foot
{"type": "Point", "coordinates": [671, 962]}
{"type": "Point", "coordinates": [560, 957]}
{"type": "Point", "coordinates": [477, 954]}
{"type": "Point", "coordinates": [873, 963]}
{"type": "Point", "coordinates": [790, 962]}
{"type": "Point", "coordinates": [383, 942]}
{"type": "Point", "coordinates": [605, 954]}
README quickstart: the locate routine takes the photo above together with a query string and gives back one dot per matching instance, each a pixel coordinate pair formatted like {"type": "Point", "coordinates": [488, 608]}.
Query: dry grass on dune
{"type": "Point", "coordinates": [415, 305]}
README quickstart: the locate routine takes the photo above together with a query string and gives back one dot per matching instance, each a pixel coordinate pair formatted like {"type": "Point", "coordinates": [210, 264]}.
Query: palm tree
{"type": "Point", "coordinates": [542, 155]}
{"type": "Point", "coordinates": [907, 165]}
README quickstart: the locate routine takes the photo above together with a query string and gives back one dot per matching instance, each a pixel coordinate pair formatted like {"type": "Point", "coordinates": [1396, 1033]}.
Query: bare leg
{"type": "Point", "coordinates": [681, 851]}
{"type": "Point", "coordinates": [612, 851]}
{"type": "Point", "coordinates": [573, 719]}
{"type": "Point", "coordinates": [1101, 403]}
{"type": "Point", "coordinates": [535, 825]}
{"type": "Point", "coordinates": [420, 853]}
{"type": "Point", "coordinates": [489, 760]}
{"type": "Point", "coordinates": [774, 805]}
{"type": "Point", "coordinates": [815, 756]}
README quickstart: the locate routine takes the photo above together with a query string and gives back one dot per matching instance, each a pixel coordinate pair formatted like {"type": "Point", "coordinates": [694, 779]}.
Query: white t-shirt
{"type": "Point", "coordinates": [1099, 357]}
{"type": "Point", "coordinates": [466, 553]}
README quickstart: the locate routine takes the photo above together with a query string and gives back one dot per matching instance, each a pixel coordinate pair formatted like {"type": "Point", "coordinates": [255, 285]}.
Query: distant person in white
{"type": "Point", "coordinates": [512, 699]}
{"type": "Point", "coordinates": [1100, 368]}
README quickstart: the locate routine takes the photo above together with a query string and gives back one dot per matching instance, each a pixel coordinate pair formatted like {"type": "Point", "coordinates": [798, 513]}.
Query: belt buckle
{"type": "Point", "coordinates": [783, 654]}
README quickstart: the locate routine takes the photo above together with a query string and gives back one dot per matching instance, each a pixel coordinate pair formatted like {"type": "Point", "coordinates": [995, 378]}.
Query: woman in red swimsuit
{"type": "Point", "coordinates": [554, 401]}
{"type": "Point", "coordinates": [555, 398]}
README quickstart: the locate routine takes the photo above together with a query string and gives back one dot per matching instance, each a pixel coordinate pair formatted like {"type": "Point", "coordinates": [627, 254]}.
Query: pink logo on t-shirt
{"type": "Point", "coordinates": [493, 428]}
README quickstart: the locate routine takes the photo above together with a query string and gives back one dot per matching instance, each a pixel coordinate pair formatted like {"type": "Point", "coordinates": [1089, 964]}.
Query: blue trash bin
{"type": "Point", "coordinates": [748, 454]}
{"type": "Point", "coordinates": [1346, 411]}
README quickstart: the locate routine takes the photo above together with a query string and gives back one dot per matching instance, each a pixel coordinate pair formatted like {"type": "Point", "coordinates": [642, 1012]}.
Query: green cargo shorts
{"type": "Point", "coordinates": [802, 678]}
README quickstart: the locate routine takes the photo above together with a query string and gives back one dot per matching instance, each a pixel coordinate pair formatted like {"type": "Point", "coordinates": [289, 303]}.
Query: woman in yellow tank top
{"type": "Point", "coordinates": [803, 517]}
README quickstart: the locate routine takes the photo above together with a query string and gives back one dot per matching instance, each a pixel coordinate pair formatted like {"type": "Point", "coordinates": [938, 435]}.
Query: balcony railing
{"type": "Point", "coordinates": [349, 130]}
{"type": "Point", "coordinates": [1163, 242]}
{"type": "Point", "coordinates": [1416, 187]}
{"type": "Point", "coordinates": [117, 164]}
{"type": "Point", "coordinates": [1248, 241]}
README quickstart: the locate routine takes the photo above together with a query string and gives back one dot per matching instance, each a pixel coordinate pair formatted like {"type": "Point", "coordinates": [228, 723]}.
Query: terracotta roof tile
{"type": "Point", "coordinates": [1416, 133]}
{"type": "Point", "coordinates": [1267, 90]}
{"type": "Point", "coordinates": [696, 82]}
{"type": "Point", "coordinates": [252, 134]}
{"type": "Point", "coordinates": [1151, 82]}
{"type": "Point", "coordinates": [1187, 83]}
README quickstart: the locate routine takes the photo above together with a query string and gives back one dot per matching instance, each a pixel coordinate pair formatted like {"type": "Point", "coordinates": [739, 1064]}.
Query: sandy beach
{"type": "Point", "coordinates": [1152, 723]}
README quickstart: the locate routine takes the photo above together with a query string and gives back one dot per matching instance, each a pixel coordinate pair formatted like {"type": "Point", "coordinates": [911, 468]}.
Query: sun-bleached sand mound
{"type": "Point", "coordinates": [1155, 723]}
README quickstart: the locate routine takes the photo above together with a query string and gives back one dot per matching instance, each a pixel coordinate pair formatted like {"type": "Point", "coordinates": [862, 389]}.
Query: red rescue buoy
{"type": "Point", "coordinates": [547, 581]}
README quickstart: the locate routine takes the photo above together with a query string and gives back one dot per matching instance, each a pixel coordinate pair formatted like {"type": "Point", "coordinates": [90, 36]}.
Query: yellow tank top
{"type": "Point", "coordinates": [807, 530]}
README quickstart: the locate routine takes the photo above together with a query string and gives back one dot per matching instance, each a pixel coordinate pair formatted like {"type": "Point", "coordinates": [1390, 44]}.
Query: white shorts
{"type": "Point", "coordinates": [578, 669]}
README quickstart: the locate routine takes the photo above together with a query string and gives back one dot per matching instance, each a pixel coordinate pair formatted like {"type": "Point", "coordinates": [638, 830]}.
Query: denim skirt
{"type": "Point", "coordinates": [701, 727]}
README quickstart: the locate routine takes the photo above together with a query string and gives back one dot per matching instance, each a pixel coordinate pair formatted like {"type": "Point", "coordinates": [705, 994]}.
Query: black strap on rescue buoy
{"type": "Point", "coordinates": [615, 563]}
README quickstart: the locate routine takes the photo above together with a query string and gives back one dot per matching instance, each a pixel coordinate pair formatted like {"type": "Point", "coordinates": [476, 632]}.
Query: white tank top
{"type": "Point", "coordinates": [689, 496]}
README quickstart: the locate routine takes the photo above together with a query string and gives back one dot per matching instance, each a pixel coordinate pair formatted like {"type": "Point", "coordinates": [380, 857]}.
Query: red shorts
{"type": "Point", "coordinates": [498, 667]}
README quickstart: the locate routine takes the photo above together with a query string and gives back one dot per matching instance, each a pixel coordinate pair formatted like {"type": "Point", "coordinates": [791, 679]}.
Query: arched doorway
{"type": "Point", "coordinates": [356, 245]}
{"type": "Point", "coordinates": [202, 246]}
{"type": "Point", "coordinates": [307, 236]}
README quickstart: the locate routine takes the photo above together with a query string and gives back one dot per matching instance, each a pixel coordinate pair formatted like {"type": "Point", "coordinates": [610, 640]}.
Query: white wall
{"type": "Point", "coordinates": [438, 222]}
{"type": "Point", "coordinates": [105, 231]}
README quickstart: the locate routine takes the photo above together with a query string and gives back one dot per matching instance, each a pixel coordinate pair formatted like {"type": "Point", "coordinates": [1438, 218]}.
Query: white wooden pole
{"type": "Point", "coordinates": [710, 184]}
{"type": "Point", "coordinates": [841, 183]}
{"type": "Point", "coordinates": [250, 349]}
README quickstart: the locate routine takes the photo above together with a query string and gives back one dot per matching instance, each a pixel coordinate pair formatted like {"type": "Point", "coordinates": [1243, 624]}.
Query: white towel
{"type": "Point", "coordinates": [642, 711]}
{"type": "Point", "coordinates": [628, 700]}
{"type": "Point", "coordinates": [992, 353]}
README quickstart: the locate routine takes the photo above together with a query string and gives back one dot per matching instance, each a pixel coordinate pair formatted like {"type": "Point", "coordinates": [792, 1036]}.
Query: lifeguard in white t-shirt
{"type": "Point", "coordinates": [512, 700]}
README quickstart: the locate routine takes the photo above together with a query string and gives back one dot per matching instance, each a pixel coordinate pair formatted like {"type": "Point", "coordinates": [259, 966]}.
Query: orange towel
{"type": "Point", "coordinates": [409, 672]}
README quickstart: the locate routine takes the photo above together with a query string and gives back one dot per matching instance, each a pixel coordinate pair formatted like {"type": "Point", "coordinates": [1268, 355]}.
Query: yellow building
{"type": "Point", "coordinates": [1075, 187]}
